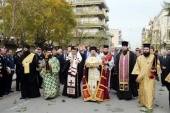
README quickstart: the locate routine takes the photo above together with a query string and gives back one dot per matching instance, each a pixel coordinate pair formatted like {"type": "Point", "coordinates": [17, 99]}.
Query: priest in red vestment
{"type": "Point", "coordinates": [108, 63]}
{"type": "Point", "coordinates": [95, 78]}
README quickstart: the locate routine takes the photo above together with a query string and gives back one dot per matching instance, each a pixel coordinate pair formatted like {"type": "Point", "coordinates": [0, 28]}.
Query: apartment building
{"type": "Point", "coordinates": [159, 30]}
{"type": "Point", "coordinates": [116, 38]}
{"type": "Point", "coordinates": [92, 21]}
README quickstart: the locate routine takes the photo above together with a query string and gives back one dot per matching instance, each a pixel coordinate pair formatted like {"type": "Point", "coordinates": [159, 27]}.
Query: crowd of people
{"type": "Point", "coordinates": [88, 71]}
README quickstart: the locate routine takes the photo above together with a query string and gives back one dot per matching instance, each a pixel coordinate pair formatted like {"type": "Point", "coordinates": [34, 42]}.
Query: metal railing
{"type": "Point", "coordinates": [93, 23]}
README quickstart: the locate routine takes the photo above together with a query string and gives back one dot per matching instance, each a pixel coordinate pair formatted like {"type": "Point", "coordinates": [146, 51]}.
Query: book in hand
{"type": "Point", "coordinates": [42, 62]}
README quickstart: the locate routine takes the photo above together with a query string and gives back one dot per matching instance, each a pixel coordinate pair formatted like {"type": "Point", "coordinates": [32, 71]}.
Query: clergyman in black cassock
{"type": "Point", "coordinates": [126, 85]}
{"type": "Point", "coordinates": [29, 83]}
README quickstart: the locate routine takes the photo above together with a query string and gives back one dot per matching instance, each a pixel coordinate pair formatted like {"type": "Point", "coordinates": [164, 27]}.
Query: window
{"type": "Point", "coordinates": [120, 42]}
{"type": "Point", "coordinates": [168, 19]}
{"type": "Point", "coordinates": [168, 33]}
{"type": "Point", "coordinates": [79, 10]}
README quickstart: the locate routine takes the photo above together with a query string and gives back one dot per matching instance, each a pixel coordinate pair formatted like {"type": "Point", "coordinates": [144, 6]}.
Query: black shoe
{"type": "Point", "coordinates": [120, 98]}
{"type": "Point", "coordinates": [18, 90]}
{"type": "Point", "coordinates": [1, 95]}
{"type": "Point", "coordinates": [21, 98]}
{"type": "Point", "coordinates": [6, 93]}
{"type": "Point", "coordinates": [135, 96]}
{"type": "Point", "coordinates": [157, 78]}
{"type": "Point", "coordinates": [11, 91]}
{"type": "Point", "coordinates": [74, 97]}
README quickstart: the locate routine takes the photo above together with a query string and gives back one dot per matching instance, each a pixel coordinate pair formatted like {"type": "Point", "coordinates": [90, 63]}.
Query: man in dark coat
{"type": "Point", "coordinates": [165, 67]}
{"type": "Point", "coordinates": [87, 53]}
{"type": "Point", "coordinates": [62, 61]}
{"type": "Point", "coordinates": [19, 68]}
{"type": "Point", "coordinates": [1, 75]}
{"type": "Point", "coordinates": [126, 85]}
{"type": "Point", "coordinates": [10, 66]}
{"type": "Point", "coordinates": [4, 71]}
{"type": "Point", "coordinates": [40, 57]}
{"type": "Point", "coordinates": [29, 83]}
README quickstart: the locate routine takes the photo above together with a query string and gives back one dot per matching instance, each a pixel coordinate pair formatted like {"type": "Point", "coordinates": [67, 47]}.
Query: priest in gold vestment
{"type": "Point", "coordinates": [94, 82]}
{"type": "Point", "coordinates": [146, 67]}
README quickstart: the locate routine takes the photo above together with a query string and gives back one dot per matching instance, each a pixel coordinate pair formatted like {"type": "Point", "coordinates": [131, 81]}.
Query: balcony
{"type": "Point", "coordinates": [93, 24]}
{"type": "Point", "coordinates": [91, 12]}
{"type": "Point", "coordinates": [102, 3]}
{"type": "Point", "coordinates": [107, 18]}
{"type": "Point", "coordinates": [99, 34]}
{"type": "Point", "coordinates": [168, 25]}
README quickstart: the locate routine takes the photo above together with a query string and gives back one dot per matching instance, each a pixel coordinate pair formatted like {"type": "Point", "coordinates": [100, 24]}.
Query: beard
{"type": "Point", "coordinates": [26, 53]}
{"type": "Point", "coordinates": [124, 52]}
{"type": "Point", "coordinates": [50, 56]}
{"type": "Point", "coordinates": [146, 54]}
{"type": "Point", "coordinates": [93, 54]}
{"type": "Point", "coordinates": [105, 53]}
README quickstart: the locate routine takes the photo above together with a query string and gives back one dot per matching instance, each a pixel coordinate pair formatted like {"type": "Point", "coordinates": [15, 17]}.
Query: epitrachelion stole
{"type": "Point", "coordinates": [124, 72]}
{"type": "Point", "coordinates": [72, 79]}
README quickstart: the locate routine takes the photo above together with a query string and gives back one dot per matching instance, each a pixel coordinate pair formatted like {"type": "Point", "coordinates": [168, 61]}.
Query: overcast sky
{"type": "Point", "coordinates": [131, 16]}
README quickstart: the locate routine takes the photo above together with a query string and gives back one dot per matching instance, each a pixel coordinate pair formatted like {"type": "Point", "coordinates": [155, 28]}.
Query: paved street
{"type": "Point", "coordinates": [12, 104]}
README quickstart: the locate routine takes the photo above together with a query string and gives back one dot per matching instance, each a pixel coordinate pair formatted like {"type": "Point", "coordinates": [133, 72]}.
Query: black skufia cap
{"type": "Point", "coordinates": [93, 48]}
{"type": "Point", "coordinates": [26, 46]}
{"type": "Point", "coordinates": [124, 43]}
{"type": "Point", "coordinates": [146, 44]}
{"type": "Point", "coordinates": [49, 49]}
{"type": "Point", "coordinates": [105, 46]}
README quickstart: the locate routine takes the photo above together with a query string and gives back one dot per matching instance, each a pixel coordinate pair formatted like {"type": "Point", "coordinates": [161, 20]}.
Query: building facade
{"type": "Point", "coordinates": [92, 21]}
{"type": "Point", "coordinates": [159, 31]}
{"type": "Point", "coordinates": [116, 38]}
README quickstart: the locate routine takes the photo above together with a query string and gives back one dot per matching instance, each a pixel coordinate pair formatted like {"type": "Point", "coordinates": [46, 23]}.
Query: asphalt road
{"type": "Point", "coordinates": [12, 104]}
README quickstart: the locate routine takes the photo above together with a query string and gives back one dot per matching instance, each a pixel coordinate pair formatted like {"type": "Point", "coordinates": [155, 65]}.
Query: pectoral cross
{"type": "Point", "coordinates": [71, 82]}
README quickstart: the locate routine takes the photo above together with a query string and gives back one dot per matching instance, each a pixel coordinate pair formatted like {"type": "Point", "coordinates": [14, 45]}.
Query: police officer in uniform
{"type": "Point", "coordinates": [19, 68]}
{"type": "Point", "coordinates": [10, 69]}
{"type": "Point", "coordinates": [4, 71]}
